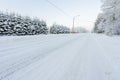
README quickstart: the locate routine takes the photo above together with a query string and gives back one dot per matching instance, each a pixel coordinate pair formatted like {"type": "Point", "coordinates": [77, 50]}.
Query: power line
{"type": "Point", "coordinates": [62, 11]}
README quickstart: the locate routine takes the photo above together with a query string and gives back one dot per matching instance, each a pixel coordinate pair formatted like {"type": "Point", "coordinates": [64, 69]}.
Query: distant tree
{"type": "Point", "coordinates": [59, 29]}
{"type": "Point", "coordinates": [80, 30]}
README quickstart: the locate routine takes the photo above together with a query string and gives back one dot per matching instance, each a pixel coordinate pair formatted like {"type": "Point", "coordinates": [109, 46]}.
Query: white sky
{"type": "Point", "coordinates": [87, 9]}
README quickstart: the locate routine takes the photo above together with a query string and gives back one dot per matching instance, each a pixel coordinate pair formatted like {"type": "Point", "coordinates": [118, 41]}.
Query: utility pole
{"type": "Point", "coordinates": [73, 28]}
{"type": "Point", "coordinates": [73, 24]}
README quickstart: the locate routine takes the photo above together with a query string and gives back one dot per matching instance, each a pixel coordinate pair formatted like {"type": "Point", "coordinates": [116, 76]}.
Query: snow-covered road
{"type": "Point", "coordinates": [60, 57]}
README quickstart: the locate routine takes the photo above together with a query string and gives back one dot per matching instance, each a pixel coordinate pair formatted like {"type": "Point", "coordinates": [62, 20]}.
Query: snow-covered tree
{"type": "Point", "coordinates": [12, 24]}
{"type": "Point", "coordinates": [99, 24]}
{"type": "Point", "coordinates": [59, 29]}
{"type": "Point", "coordinates": [109, 22]}
{"type": "Point", "coordinates": [39, 26]}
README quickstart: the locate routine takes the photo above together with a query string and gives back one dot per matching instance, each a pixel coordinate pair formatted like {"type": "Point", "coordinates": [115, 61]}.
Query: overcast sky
{"type": "Point", "coordinates": [87, 9]}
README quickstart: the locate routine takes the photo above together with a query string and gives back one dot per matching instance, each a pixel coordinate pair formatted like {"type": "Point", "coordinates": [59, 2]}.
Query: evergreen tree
{"type": "Point", "coordinates": [12, 24]}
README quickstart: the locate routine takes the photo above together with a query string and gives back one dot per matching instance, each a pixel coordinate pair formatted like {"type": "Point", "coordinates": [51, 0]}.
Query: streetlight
{"type": "Point", "coordinates": [74, 23]}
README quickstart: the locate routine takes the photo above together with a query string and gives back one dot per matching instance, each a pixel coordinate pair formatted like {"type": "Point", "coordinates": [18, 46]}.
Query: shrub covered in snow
{"type": "Point", "coordinates": [12, 24]}
{"type": "Point", "coordinates": [59, 29]}
{"type": "Point", "coordinates": [108, 21]}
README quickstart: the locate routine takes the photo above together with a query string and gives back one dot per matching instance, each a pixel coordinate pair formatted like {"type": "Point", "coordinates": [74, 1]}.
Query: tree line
{"type": "Point", "coordinates": [14, 24]}
{"type": "Point", "coordinates": [108, 22]}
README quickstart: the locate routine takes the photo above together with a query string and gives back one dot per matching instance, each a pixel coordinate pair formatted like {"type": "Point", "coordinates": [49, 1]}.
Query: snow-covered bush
{"type": "Point", "coordinates": [12, 24]}
{"type": "Point", "coordinates": [59, 29]}
{"type": "Point", "coordinates": [108, 21]}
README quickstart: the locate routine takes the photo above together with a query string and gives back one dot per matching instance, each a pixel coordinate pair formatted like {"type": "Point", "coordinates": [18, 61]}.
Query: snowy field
{"type": "Point", "coordinates": [60, 57]}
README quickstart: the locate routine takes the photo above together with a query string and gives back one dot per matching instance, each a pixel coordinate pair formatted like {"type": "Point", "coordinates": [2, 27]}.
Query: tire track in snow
{"type": "Point", "coordinates": [53, 66]}
{"type": "Point", "coordinates": [94, 65]}
{"type": "Point", "coordinates": [26, 44]}
{"type": "Point", "coordinates": [80, 59]}
{"type": "Point", "coordinates": [27, 61]}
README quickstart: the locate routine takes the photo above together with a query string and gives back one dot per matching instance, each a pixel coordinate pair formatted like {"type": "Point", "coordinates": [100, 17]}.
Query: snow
{"type": "Point", "coordinates": [60, 57]}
